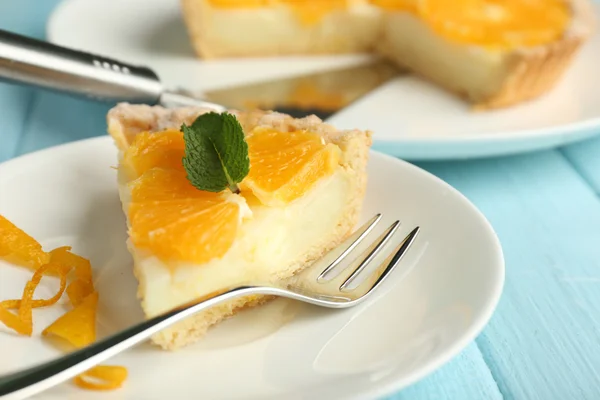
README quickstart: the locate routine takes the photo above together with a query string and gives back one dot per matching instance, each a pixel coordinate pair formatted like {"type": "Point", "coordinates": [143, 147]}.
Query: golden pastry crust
{"type": "Point", "coordinates": [125, 121]}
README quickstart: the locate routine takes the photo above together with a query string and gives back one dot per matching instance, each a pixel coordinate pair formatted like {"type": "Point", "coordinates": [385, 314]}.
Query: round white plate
{"type": "Point", "coordinates": [438, 300]}
{"type": "Point", "coordinates": [411, 118]}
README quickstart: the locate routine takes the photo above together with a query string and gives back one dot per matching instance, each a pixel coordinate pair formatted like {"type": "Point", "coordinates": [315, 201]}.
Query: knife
{"type": "Point", "coordinates": [33, 62]}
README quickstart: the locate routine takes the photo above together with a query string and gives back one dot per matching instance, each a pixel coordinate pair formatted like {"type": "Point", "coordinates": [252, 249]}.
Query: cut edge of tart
{"type": "Point", "coordinates": [438, 40]}
{"type": "Point", "coordinates": [487, 76]}
{"type": "Point", "coordinates": [281, 27]}
{"type": "Point", "coordinates": [272, 242]}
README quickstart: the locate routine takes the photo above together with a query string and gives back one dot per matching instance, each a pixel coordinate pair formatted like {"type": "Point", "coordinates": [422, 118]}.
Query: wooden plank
{"type": "Point", "coordinates": [466, 378]}
{"type": "Point", "coordinates": [56, 119]}
{"type": "Point", "coordinates": [14, 103]}
{"type": "Point", "coordinates": [585, 157]}
{"type": "Point", "coordinates": [542, 342]}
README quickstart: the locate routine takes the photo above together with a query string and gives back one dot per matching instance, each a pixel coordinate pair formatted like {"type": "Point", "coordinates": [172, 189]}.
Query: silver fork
{"type": "Point", "coordinates": [323, 283]}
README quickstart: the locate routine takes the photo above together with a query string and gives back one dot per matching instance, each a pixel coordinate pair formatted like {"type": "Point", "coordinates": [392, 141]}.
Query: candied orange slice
{"type": "Point", "coordinates": [77, 326]}
{"type": "Point", "coordinates": [102, 377]}
{"type": "Point", "coordinates": [285, 165]}
{"type": "Point", "coordinates": [177, 221]}
{"type": "Point", "coordinates": [18, 247]}
{"type": "Point", "coordinates": [161, 149]}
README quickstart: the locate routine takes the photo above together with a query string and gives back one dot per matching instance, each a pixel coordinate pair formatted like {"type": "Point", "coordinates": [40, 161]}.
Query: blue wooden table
{"type": "Point", "coordinates": [544, 339]}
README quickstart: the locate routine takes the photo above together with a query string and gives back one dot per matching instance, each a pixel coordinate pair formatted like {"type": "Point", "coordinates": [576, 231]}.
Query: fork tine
{"type": "Point", "coordinates": [373, 251]}
{"type": "Point", "coordinates": [356, 238]}
{"type": "Point", "coordinates": [394, 259]}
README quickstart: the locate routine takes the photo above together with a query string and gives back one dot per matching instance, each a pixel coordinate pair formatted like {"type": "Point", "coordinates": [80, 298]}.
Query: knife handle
{"type": "Point", "coordinates": [33, 62]}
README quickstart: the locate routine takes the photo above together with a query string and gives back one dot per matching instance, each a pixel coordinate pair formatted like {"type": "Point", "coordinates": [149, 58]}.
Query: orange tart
{"type": "Point", "coordinates": [301, 197]}
{"type": "Point", "coordinates": [493, 53]}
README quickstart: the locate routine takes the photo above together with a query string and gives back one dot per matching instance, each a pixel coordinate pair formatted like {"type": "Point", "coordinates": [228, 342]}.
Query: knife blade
{"type": "Point", "coordinates": [321, 93]}
{"type": "Point", "coordinates": [33, 62]}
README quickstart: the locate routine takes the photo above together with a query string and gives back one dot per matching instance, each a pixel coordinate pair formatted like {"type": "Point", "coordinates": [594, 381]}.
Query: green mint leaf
{"type": "Point", "coordinates": [216, 152]}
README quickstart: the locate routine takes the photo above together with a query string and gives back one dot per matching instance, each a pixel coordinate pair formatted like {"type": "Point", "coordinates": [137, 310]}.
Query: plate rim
{"type": "Point", "coordinates": [470, 333]}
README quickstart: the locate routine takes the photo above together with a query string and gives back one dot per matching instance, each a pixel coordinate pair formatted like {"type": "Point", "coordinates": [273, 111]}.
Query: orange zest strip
{"type": "Point", "coordinates": [78, 326]}
{"type": "Point", "coordinates": [18, 247]}
{"type": "Point", "coordinates": [26, 304]}
{"type": "Point", "coordinates": [10, 304]}
{"type": "Point", "coordinates": [78, 290]}
{"type": "Point", "coordinates": [12, 321]}
{"type": "Point", "coordinates": [102, 377]}
{"type": "Point", "coordinates": [81, 266]}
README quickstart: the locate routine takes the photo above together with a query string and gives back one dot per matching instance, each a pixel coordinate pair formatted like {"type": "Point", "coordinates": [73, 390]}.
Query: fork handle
{"type": "Point", "coordinates": [33, 62]}
{"type": "Point", "coordinates": [31, 381]}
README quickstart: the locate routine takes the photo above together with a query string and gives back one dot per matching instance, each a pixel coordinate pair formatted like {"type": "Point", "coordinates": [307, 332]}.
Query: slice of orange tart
{"type": "Point", "coordinates": [301, 197]}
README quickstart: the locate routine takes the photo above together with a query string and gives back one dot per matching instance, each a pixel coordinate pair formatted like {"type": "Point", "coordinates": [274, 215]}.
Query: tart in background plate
{"type": "Point", "coordinates": [491, 53]}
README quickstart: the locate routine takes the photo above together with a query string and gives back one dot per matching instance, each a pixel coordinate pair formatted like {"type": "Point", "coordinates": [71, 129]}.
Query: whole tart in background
{"type": "Point", "coordinates": [491, 53]}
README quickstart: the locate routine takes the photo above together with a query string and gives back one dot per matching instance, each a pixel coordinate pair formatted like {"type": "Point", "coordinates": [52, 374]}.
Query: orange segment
{"type": "Point", "coordinates": [495, 23]}
{"type": "Point", "coordinates": [166, 185]}
{"type": "Point", "coordinates": [160, 149]}
{"type": "Point", "coordinates": [505, 23]}
{"type": "Point", "coordinates": [78, 326]}
{"type": "Point", "coordinates": [18, 247]}
{"type": "Point", "coordinates": [176, 221]}
{"type": "Point", "coordinates": [285, 165]}
{"type": "Point", "coordinates": [308, 11]}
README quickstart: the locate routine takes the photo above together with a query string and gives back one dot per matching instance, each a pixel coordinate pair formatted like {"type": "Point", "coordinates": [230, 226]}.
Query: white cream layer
{"type": "Point", "coordinates": [279, 30]}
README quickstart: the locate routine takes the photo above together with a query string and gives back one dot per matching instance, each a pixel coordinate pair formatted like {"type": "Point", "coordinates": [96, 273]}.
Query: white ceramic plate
{"type": "Point", "coordinates": [411, 118]}
{"type": "Point", "coordinates": [439, 299]}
